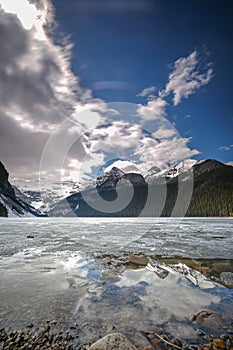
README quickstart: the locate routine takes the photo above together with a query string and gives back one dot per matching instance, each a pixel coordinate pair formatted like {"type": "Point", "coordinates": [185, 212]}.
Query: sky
{"type": "Point", "coordinates": [89, 84]}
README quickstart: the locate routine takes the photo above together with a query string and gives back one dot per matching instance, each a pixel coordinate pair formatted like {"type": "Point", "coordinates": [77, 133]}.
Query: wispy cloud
{"type": "Point", "coordinates": [147, 91]}
{"type": "Point", "coordinates": [226, 148]}
{"type": "Point", "coordinates": [188, 75]}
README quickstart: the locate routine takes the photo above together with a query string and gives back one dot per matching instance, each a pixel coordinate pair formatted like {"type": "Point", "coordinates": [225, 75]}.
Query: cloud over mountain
{"type": "Point", "coordinates": [47, 116]}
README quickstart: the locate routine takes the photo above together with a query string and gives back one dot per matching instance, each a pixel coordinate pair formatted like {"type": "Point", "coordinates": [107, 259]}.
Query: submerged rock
{"type": "Point", "coordinates": [207, 317]}
{"type": "Point", "coordinates": [227, 278]}
{"type": "Point", "coordinates": [113, 341]}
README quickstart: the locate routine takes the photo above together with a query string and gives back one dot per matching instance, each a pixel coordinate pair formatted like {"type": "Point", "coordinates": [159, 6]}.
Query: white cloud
{"type": "Point", "coordinates": [29, 15]}
{"type": "Point", "coordinates": [226, 147]}
{"type": "Point", "coordinates": [78, 170]}
{"type": "Point", "coordinates": [161, 154]}
{"type": "Point", "coordinates": [187, 76]}
{"type": "Point", "coordinates": [154, 109]}
{"type": "Point", "coordinates": [164, 132]}
{"type": "Point", "coordinates": [90, 115]}
{"type": "Point", "coordinates": [146, 91]}
{"type": "Point", "coordinates": [126, 166]}
{"type": "Point", "coordinates": [116, 136]}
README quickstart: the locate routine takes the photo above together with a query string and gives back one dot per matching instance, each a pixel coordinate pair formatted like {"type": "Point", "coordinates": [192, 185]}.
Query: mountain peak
{"type": "Point", "coordinates": [110, 178]}
{"type": "Point", "coordinates": [207, 166]}
{"type": "Point", "coordinates": [116, 171]}
{"type": "Point", "coordinates": [5, 186]}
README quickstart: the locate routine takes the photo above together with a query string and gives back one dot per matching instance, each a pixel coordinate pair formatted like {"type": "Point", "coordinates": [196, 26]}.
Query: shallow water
{"type": "Point", "coordinates": [115, 274]}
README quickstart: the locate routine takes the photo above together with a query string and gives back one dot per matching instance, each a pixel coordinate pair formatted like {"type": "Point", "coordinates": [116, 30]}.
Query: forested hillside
{"type": "Point", "coordinates": [212, 196]}
{"type": "Point", "coordinates": [213, 191]}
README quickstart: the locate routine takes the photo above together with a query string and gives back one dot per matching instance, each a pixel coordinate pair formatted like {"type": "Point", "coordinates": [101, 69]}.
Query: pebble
{"type": "Point", "coordinates": [45, 338]}
{"type": "Point", "coordinates": [35, 339]}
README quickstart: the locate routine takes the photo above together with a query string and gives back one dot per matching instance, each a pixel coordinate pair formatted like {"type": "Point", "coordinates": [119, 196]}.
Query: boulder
{"type": "Point", "coordinates": [113, 341]}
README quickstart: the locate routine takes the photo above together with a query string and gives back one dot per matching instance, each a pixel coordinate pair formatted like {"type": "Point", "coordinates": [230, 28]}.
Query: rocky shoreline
{"type": "Point", "coordinates": [48, 337]}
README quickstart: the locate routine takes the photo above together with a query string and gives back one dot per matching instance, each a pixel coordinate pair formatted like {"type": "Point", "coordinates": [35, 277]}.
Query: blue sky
{"type": "Point", "coordinates": [84, 82]}
{"type": "Point", "coordinates": [135, 45]}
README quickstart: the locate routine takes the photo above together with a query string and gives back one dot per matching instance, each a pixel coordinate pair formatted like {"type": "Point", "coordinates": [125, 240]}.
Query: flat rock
{"type": "Point", "coordinates": [227, 278]}
{"type": "Point", "coordinates": [113, 341]}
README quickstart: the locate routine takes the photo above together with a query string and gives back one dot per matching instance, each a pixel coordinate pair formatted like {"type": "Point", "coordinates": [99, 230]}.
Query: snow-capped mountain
{"type": "Point", "coordinates": [229, 163]}
{"type": "Point", "coordinates": [66, 198]}
{"type": "Point", "coordinates": [211, 196]}
{"type": "Point", "coordinates": [44, 196]}
{"type": "Point", "coordinates": [154, 173]}
{"type": "Point", "coordinates": [110, 178]}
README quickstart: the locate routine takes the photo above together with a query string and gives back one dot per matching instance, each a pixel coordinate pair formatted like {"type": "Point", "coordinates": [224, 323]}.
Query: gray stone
{"type": "Point", "coordinates": [227, 278]}
{"type": "Point", "coordinates": [113, 341]}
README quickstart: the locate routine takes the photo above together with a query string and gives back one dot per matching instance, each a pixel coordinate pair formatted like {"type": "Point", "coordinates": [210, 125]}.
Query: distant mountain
{"type": "Point", "coordinates": [154, 173]}
{"type": "Point", "coordinates": [76, 205]}
{"type": "Point", "coordinates": [10, 203]}
{"type": "Point", "coordinates": [44, 196]}
{"type": "Point", "coordinates": [229, 163]}
{"type": "Point", "coordinates": [207, 166]}
{"type": "Point", "coordinates": [110, 178]}
{"type": "Point", "coordinates": [212, 192]}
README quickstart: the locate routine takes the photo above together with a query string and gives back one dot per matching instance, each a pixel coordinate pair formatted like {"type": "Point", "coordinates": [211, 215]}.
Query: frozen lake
{"type": "Point", "coordinates": [194, 238]}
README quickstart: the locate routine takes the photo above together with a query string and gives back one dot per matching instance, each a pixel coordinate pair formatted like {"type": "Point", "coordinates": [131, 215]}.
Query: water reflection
{"type": "Point", "coordinates": [125, 293]}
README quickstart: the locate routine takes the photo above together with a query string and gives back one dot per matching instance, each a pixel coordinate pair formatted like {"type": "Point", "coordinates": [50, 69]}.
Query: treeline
{"type": "Point", "coordinates": [213, 194]}
{"type": "Point", "coordinates": [3, 211]}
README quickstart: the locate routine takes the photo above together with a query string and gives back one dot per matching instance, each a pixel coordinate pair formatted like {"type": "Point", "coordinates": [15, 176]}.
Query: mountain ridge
{"type": "Point", "coordinates": [211, 179]}
{"type": "Point", "coordinates": [212, 192]}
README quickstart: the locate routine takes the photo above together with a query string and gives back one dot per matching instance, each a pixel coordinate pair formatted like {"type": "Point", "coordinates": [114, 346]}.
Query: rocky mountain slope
{"type": "Point", "coordinates": [76, 205]}
{"type": "Point", "coordinates": [10, 203]}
